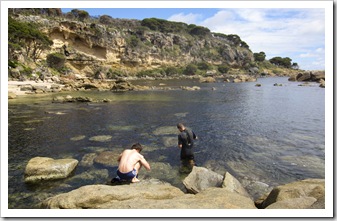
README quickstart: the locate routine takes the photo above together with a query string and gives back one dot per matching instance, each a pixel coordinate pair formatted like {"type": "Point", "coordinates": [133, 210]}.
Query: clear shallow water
{"type": "Point", "coordinates": [271, 134]}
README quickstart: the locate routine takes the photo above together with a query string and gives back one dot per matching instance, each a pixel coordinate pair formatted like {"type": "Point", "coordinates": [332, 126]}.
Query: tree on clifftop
{"type": "Point", "coordinates": [80, 14]}
{"type": "Point", "coordinates": [26, 36]}
{"type": "Point", "coordinates": [278, 61]}
{"type": "Point", "coordinates": [260, 56]}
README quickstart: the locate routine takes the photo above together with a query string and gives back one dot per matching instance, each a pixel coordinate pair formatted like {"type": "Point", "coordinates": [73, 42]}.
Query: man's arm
{"type": "Point", "coordinates": [145, 163]}
{"type": "Point", "coordinates": [194, 136]}
{"type": "Point", "coordinates": [180, 143]}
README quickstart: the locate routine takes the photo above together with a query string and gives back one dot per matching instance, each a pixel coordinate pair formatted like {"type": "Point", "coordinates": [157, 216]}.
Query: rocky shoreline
{"type": "Point", "coordinates": [205, 189]}
{"type": "Point", "coordinates": [57, 84]}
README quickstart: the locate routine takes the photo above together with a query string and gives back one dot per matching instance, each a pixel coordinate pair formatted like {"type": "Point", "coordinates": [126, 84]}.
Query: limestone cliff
{"type": "Point", "coordinates": [127, 47]}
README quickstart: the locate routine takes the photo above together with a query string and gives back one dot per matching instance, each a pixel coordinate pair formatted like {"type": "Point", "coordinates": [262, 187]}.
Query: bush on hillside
{"type": "Point", "coordinates": [56, 60]}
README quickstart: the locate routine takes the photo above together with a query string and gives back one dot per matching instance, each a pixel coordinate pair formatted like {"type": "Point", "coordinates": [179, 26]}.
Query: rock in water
{"type": "Point", "coordinates": [201, 178]}
{"type": "Point", "coordinates": [44, 168]}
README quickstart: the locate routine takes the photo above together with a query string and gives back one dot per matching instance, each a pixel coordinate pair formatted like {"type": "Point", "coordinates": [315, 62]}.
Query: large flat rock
{"type": "Point", "coordinates": [147, 195]}
{"type": "Point", "coordinates": [45, 168]}
{"type": "Point", "coordinates": [106, 196]}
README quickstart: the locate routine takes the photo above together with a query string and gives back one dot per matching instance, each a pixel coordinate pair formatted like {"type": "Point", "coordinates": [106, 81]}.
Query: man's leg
{"type": "Point", "coordinates": [137, 167]}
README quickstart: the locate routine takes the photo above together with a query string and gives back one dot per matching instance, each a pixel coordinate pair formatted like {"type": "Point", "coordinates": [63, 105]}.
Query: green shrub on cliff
{"type": "Point", "coordinates": [172, 71]}
{"type": "Point", "coordinates": [203, 66]}
{"type": "Point", "coordinates": [283, 62]}
{"type": "Point", "coordinates": [56, 60]}
{"type": "Point", "coordinates": [223, 69]}
{"type": "Point", "coordinates": [164, 26]}
{"type": "Point", "coordinates": [190, 69]}
{"type": "Point", "coordinates": [198, 30]}
{"type": "Point", "coordinates": [27, 38]}
{"type": "Point", "coordinates": [261, 56]}
{"type": "Point", "coordinates": [151, 73]}
{"type": "Point", "coordinates": [133, 41]}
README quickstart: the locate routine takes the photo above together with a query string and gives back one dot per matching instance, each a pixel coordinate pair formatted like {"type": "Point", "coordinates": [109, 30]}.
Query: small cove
{"type": "Point", "coordinates": [269, 134]}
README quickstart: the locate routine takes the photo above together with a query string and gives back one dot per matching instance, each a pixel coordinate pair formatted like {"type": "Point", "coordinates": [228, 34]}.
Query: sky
{"type": "Point", "coordinates": [297, 33]}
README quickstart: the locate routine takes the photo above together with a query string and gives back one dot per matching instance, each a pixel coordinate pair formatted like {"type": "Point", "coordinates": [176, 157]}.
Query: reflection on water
{"type": "Point", "coordinates": [268, 134]}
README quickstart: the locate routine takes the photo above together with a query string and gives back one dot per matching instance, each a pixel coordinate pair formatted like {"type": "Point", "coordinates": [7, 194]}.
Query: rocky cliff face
{"type": "Point", "coordinates": [127, 46]}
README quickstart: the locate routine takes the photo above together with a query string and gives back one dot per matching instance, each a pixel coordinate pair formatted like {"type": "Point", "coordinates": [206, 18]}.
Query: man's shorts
{"type": "Point", "coordinates": [127, 176]}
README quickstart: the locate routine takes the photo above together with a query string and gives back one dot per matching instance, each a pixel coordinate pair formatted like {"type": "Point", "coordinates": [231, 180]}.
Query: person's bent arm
{"type": "Point", "coordinates": [145, 164]}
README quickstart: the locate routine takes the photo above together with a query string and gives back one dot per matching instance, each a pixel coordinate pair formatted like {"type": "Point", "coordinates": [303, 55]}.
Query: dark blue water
{"type": "Point", "coordinates": [271, 134]}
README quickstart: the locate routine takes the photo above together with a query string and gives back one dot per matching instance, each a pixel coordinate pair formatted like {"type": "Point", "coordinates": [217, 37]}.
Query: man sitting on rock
{"type": "Point", "coordinates": [130, 162]}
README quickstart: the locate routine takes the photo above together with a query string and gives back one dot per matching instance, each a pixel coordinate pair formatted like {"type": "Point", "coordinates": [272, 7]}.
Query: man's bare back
{"type": "Point", "coordinates": [130, 162]}
{"type": "Point", "coordinates": [129, 159]}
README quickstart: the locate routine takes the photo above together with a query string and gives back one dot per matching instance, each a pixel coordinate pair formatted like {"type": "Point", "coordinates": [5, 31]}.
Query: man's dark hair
{"type": "Point", "coordinates": [137, 146]}
{"type": "Point", "coordinates": [180, 126]}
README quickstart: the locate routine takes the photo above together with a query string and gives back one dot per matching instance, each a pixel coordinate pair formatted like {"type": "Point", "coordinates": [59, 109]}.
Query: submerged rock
{"type": "Point", "coordinates": [186, 88]}
{"type": "Point", "coordinates": [44, 168]}
{"type": "Point", "coordinates": [77, 138]}
{"type": "Point", "coordinates": [88, 160]}
{"type": "Point", "coordinates": [101, 138]}
{"type": "Point", "coordinates": [240, 78]}
{"type": "Point", "coordinates": [207, 80]}
{"type": "Point", "coordinates": [166, 130]}
{"type": "Point", "coordinates": [107, 158]}
{"type": "Point", "coordinates": [68, 98]}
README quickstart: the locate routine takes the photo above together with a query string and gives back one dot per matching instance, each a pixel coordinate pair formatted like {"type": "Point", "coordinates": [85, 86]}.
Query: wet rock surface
{"type": "Point", "coordinates": [205, 189]}
{"type": "Point", "coordinates": [44, 168]}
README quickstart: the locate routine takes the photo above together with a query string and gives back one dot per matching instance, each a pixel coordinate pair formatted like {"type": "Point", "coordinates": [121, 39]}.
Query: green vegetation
{"type": "Point", "coordinates": [105, 19]}
{"type": "Point", "coordinates": [133, 41]}
{"type": "Point", "coordinates": [56, 60]}
{"type": "Point", "coordinates": [198, 30]}
{"type": "Point", "coordinates": [79, 14]}
{"type": "Point", "coordinates": [26, 37]}
{"type": "Point", "coordinates": [283, 62]}
{"type": "Point", "coordinates": [203, 66]}
{"type": "Point", "coordinates": [266, 64]}
{"type": "Point", "coordinates": [233, 39]}
{"type": "Point", "coordinates": [36, 11]}
{"type": "Point", "coordinates": [223, 69]}
{"type": "Point", "coordinates": [151, 73]}
{"type": "Point", "coordinates": [295, 66]}
{"type": "Point", "coordinates": [260, 56]}
{"type": "Point", "coordinates": [190, 69]}
{"type": "Point", "coordinates": [173, 71]}
{"type": "Point", "coordinates": [164, 26]}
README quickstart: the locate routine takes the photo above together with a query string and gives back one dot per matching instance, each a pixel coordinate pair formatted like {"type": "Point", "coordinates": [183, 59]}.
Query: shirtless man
{"type": "Point", "coordinates": [130, 162]}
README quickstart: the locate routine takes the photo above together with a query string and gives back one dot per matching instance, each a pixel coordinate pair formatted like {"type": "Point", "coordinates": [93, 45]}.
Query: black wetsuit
{"type": "Point", "coordinates": [185, 138]}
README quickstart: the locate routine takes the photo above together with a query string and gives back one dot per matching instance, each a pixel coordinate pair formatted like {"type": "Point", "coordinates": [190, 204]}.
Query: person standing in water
{"type": "Point", "coordinates": [130, 162]}
{"type": "Point", "coordinates": [186, 144]}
